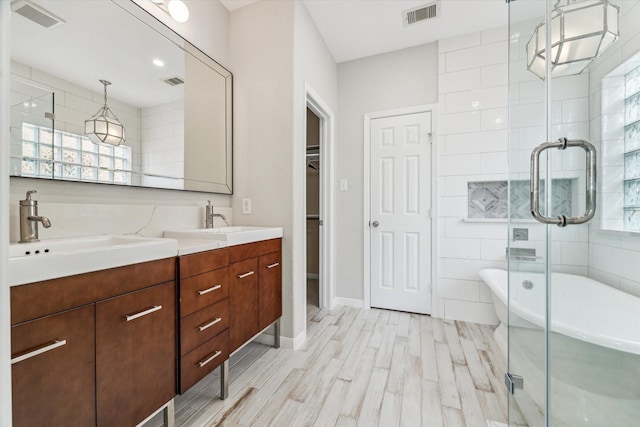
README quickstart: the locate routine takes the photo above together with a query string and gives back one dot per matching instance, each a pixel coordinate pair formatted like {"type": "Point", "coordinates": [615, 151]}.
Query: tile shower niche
{"type": "Point", "coordinates": [488, 200]}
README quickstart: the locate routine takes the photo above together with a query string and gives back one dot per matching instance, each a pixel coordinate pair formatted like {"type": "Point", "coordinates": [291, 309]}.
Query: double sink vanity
{"type": "Point", "coordinates": [106, 330]}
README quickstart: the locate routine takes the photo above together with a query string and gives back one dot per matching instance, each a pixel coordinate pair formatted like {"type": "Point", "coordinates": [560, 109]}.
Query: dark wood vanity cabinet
{"type": "Point", "coordinates": [255, 289]}
{"type": "Point", "coordinates": [204, 314]}
{"type": "Point", "coordinates": [102, 346]}
{"type": "Point", "coordinates": [53, 370]}
{"type": "Point", "coordinates": [135, 355]}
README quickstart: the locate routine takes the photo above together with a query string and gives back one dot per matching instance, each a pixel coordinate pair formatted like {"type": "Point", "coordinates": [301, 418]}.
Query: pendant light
{"type": "Point", "coordinates": [580, 32]}
{"type": "Point", "coordinates": [104, 127]}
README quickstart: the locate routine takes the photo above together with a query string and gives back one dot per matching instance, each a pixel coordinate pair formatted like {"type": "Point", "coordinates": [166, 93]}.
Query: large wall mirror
{"type": "Point", "coordinates": [174, 101]}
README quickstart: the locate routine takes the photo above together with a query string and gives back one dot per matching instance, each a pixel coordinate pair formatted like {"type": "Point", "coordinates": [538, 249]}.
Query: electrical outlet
{"type": "Point", "coordinates": [246, 206]}
{"type": "Point", "coordinates": [344, 184]}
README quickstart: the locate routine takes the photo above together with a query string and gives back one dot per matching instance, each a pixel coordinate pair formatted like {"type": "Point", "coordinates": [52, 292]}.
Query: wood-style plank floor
{"type": "Point", "coordinates": [360, 368]}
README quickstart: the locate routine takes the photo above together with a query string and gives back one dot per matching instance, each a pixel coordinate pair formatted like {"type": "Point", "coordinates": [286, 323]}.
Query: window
{"type": "Point", "coordinates": [50, 153]}
{"type": "Point", "coordinates": [632, 150]}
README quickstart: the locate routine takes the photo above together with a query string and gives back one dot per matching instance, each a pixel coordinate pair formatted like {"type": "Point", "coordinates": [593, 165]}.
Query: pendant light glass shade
{"type": "Point", "coordinates": [104, 127]}
{"type": "Point", "coordinates": [580, 32]}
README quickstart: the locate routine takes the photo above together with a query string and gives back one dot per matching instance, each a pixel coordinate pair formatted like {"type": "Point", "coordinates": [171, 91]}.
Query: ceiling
{"type": "Point", "coordinates": [96, 42]}
{"type": "Point", "coordinates": [358, 28]}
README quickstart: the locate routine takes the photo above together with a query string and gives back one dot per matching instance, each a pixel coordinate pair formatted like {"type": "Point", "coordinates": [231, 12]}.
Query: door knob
{"type": "Point", "coordinates": [374, 224]}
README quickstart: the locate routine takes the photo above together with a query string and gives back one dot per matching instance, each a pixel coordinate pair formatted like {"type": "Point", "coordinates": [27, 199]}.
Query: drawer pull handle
{"type": "Point", "coordinates": [206, 291]}
{"type": "Point", "coordinates": [144, 312]}
{"type": "Point", "coordinates": [42, 349]}
{"type": "Point", "coordinates": [210, 358]}
{"type": "Point", "coordinates": [242, 276]}
{"type": "Point", "coordinates": [275, 264]}
{"type": "Point", "coordinates": [210, 324]}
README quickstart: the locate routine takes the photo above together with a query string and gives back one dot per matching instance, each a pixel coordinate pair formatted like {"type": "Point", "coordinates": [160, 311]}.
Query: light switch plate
{"type": "Point", "coordinates": [246, 206]}
{"type": "Point", "coordinates": [344, 184]}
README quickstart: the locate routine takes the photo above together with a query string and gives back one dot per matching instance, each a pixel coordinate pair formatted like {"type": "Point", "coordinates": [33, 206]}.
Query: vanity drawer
{"type": "Point", "coordinates": [202, 290]}
{"type": "Point", "coordinates": [203, 325]}
{"type": "Point", "coordinates": [199, 263]}
{"type": "Point", "coordinates": [27, 301]}
{"type": "Point", "coordinates": [203, 359]}
{"type": "Point", "coordinates": [253, 250]}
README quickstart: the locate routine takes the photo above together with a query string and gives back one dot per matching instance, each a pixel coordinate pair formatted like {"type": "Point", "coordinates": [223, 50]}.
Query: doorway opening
{"type": "Point", "coordinates": [318, 199]}
{"type": "Point", "coordinates": [313, 172]}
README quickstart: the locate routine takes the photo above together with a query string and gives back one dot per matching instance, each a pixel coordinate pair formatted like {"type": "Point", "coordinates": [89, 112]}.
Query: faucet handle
{"type": "Point", "coordinates": [28, 201]}
{"type": "Point", "coordinates": [29, 194]}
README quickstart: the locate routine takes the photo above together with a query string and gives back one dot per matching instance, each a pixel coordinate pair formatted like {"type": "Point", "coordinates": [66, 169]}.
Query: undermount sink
{"type": "Point", "coordinates": [49, 259]}
{"type": "Point", "coordinates": [234, 235]}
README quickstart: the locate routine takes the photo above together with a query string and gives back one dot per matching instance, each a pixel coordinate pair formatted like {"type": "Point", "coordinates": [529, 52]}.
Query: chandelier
{"type": "Point", "coordinates": [580, 32]}
{"type": "Point", "coordinates": [104, 127]}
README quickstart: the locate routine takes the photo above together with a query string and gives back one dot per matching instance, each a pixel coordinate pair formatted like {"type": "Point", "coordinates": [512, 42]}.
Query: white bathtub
{"type": "Point", "coordinates": [594, 347]}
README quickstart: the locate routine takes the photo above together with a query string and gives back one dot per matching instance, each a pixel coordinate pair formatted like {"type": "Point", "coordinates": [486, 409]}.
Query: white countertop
{"type": "Point", "coordinates": [192, 246]}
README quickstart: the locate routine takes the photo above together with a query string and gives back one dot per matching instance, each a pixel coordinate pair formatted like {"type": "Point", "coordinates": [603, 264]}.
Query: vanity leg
{"type": "Point", "coordinates": [276, 334]}
{"type": "Point", "coordinates": [169, 414]}
{"type": "Point", "coordinates": [224, 379]}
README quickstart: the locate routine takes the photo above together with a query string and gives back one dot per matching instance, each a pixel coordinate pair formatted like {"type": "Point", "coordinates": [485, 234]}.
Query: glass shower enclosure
{"type": "Point", "coordinates": [573, 328]}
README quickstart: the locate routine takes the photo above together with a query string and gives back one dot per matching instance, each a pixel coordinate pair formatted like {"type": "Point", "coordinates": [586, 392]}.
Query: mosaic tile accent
{"type": "Point", "coordinates": [488, 200]}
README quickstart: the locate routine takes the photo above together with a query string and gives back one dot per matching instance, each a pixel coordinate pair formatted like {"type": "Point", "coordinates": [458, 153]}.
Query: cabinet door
{"type": "Point", "coordinates": [135, 355]}
{"type": "Point", "coordinates": [270, 289]}
{"type": "Point", "coordinates": [243, 302]}
{"type": "Point", "coordinates": [53, 370]}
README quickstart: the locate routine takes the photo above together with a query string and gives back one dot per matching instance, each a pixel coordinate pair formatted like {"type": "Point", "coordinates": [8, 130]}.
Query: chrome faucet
{"type": "Point", "coordinates": [209, 215]}
{"type": "Point", "coordinates": [29, 219]}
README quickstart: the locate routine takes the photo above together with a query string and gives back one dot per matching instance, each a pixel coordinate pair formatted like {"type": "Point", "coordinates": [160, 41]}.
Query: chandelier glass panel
{"type": "Point", "coordinates": [580, 32]}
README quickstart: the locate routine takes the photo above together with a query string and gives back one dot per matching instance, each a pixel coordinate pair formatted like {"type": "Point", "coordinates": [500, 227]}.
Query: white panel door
{"type": "Point", "coordinates": [400, 213]}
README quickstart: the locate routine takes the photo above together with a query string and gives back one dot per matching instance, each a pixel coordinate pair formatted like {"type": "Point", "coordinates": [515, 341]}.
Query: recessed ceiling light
{"type": "Point", "coordinates": [158, 62]}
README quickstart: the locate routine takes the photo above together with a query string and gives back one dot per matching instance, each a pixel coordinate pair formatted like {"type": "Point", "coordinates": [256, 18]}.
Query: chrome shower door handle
{"type": "Point", "coordinates": [591, 175]}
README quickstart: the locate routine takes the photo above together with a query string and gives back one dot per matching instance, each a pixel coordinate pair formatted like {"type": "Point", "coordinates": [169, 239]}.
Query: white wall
{"type": "Point", "coordinates": [261, 57]}
{"type": "Point", "coordinates": [394, 80]}
{"type": "Point", "coordinates": [613, 255]}
{"type": "Point", "coordinates": [274, 49]}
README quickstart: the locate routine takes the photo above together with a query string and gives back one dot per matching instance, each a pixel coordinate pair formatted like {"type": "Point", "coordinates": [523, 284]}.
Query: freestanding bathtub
{"type": "Point", "coordinates": [594, 347]}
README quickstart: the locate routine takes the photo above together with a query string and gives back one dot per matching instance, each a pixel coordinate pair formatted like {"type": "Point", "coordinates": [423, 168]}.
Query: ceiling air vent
{"type": "Point", "coordinates": [36, 13]}
{"type": "Point", "coordinates": [421, 13]}
{"type": "Point", "coordinates": [173, 81]}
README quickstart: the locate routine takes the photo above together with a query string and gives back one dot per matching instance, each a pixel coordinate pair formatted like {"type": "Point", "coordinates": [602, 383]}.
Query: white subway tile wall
{"type": "Point", "coordinates": [473, 147]}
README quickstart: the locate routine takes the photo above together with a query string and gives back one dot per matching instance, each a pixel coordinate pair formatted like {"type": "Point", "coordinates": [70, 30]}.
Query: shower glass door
{"type": "Point", "coordinates": [573, 312]}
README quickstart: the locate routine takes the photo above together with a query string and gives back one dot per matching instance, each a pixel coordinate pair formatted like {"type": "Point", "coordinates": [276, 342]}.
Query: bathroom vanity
{"type": "Point", "coordinates": [113, 346]}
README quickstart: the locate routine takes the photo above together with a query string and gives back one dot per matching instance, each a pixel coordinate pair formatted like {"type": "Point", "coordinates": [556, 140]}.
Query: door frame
{"type": "Point", "coordinates": [326, 281]}
{"type": "Point", "coordinates": [426, 108]}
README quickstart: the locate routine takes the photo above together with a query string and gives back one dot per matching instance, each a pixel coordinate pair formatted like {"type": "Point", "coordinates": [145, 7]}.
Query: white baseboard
{"type": "Point", "coordinates": [285, 342]}
{"type": "Point", "coordinates": [349, 302]}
